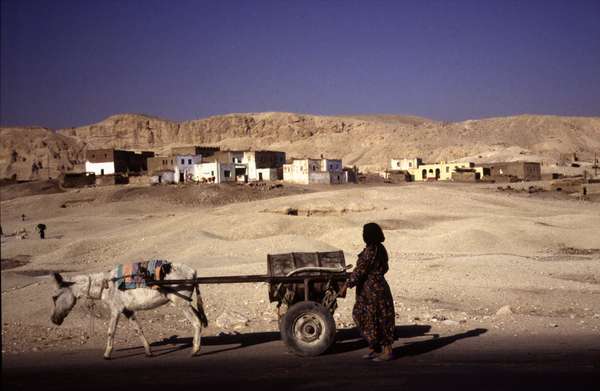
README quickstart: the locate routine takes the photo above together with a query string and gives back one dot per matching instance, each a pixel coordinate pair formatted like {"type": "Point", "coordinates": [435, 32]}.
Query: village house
{"type": "Point", "coordinates": [520, 170]}
{"type": "Point", "coordinates": [264, 165]}
{"type": "Point", "coordinates": [232, 157]}
{"type": "Point", "coordinates": [115, 161]}
{"type": "Point", "coordinates": [184, 169]}
{"type": "Point", "coordinates": [194, 150]}
{"type": "Point", "coordinates": [441, 171]}
{"type": "Point", "coordinates": [311, 171]}
{"type": "Point", "coordinates": [404, 164]}
{"type": "Point", "coordinates": [214, 172]}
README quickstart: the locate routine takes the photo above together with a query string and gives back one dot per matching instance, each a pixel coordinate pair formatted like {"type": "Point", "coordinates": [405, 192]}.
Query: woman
{"type": "Point", "coordinates": [373, 311]}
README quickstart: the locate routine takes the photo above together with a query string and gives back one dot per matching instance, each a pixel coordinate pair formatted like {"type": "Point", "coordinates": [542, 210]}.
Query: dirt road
{"type": "Point", "coordinates": [474, 359]}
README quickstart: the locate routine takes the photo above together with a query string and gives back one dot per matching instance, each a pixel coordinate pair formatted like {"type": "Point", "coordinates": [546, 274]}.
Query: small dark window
{"type": "Point", "coordinates": [182, 161]}
{"type": "Point", "coordinates": [189, 161]}
{"type": "Point", "coordinates": [105, 155]}
{"type": "Point", "coordinates": [93, 155]}
{"type": "Point", "coordinates": [226, 173]}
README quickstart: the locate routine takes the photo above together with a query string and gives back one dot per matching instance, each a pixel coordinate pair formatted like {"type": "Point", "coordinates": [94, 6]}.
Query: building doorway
{"type": "Point", "coordinates": [102, 171]}
{"type": "Point", "coordinates": [181, 177]}
{"type": "Point", "coordinates": [260, 178]}
{"type": "Point", "coordinates": [424, 174]}
{"type": "Point", "coordinates": [437, 174]}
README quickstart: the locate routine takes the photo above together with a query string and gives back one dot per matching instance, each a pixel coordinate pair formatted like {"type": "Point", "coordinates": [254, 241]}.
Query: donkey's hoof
{"type": "Point", "coordinates": [195, 354]}
{"type": "Point", "coordinates": [149, 354]}
{"type": "Point", "coordinates": [107, 357]}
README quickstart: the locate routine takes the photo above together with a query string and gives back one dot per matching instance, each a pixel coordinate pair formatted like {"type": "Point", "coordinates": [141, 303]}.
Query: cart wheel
{"type": "Point", "coordinates": [307, 328]}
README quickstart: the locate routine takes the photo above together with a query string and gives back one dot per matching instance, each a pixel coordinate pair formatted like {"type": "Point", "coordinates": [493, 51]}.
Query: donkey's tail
{"type": "Point", "coordinates": [199, 310]}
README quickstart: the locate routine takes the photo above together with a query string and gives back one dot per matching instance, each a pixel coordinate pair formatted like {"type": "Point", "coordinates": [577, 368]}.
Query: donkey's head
{"type": "Point", "coordinates": [64, 298]}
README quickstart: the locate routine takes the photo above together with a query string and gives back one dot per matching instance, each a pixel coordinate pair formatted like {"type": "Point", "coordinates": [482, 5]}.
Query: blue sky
{"type": "Point", "coordinates": [70, 63]}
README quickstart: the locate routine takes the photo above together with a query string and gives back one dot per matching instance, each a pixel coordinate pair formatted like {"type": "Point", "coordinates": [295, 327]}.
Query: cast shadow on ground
{"type": "Point", "coordinates": [346, 340]}
{"type": "Point", "coordinates": [421, 347]}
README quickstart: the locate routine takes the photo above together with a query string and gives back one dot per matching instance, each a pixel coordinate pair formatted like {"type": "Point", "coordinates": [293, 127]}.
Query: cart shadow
{"type": "Point", "coordinates": [346, 340]}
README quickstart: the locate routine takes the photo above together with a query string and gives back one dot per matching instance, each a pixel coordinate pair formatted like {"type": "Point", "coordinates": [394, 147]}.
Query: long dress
{"type": "Point", "coordinates": [373, 310]}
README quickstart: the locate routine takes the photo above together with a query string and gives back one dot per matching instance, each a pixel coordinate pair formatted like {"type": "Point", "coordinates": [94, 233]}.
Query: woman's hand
{"type": "Point", "coordinates": [343, 290]}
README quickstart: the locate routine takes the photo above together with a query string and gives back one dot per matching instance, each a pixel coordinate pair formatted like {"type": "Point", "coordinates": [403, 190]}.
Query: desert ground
{"type": "Point", "coordinates": [459, 253]}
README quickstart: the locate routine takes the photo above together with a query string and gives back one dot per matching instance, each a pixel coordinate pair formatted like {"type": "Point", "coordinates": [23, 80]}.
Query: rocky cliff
{"type": "Point", "coordinates": [368, 141]}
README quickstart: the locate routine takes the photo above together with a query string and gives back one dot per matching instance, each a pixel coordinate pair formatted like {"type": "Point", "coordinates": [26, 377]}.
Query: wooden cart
{"type": "Point", "coordinates": [306, 287]}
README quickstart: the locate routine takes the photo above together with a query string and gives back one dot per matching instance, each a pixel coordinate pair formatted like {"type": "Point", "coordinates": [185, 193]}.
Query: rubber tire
{"type": "Point", "coordinates": [325, 339]}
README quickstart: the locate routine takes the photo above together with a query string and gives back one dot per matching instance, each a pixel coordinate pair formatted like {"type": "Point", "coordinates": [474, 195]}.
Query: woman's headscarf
{"type": "Point", "coordinates": [372, 234]}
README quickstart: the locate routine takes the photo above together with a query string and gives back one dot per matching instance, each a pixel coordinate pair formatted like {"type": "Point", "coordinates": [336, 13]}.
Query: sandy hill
{"type": "Point", "coordinates": [365, 140]}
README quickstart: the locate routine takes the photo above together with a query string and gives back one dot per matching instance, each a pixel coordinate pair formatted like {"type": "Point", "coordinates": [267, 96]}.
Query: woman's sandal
{"type": "Point", "coordinates": [371, 355]}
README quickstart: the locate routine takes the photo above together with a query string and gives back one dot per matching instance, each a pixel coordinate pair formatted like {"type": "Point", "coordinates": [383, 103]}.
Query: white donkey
{"type": "Point", "coordinates": [104, 286]}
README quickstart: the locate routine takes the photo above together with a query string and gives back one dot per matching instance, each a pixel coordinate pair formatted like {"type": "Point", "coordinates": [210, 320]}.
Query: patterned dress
{"type": "Point", "coordinates": [373, 311]}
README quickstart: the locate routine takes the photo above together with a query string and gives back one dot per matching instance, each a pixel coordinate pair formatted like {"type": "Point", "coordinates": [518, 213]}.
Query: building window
{"type": "Point", "coordinates": [409, 164]}
{"type": "Point", "coordinates": [212, 173]}
{"type": "Point", "coordinates": [397, 164]}
{"type": "Point", "coordinates": [189, 161]}
{"type": "Point", "coordinates": [182, 161]}
{"type": "Point", "coordinates": [105, 155]}
{"type": "Point", "coordinates": [226, 173]}
{"type": "Point", "coordinates": [447, 169]}
{"type": "Point", "coordinates": [93, 155]}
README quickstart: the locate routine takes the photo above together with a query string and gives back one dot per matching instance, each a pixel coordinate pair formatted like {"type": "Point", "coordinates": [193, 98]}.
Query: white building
{"type": "Point", "coordinates": [184, 167]}
{"type": "Point", "coordinates": [164, 176]}
{"type": "Point", "coordinates": [214, 172]}
{"type": "Point", "coordinates": [405, 164]}
{"type": "Point", "coordinates": [309, 171]}
{"type": "Point", "coordinates": [263, 165]}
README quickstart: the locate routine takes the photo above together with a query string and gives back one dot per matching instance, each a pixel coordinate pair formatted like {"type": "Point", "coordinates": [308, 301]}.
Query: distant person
{"type": "Point", "coordinates": [23, 217]}
{"type": "Point", "coordinates": [373, 311]}
{"type": "Point", "coordinates": [41, 228]}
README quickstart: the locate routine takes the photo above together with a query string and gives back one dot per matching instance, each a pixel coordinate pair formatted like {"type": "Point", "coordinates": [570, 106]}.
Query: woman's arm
{"type": "Point", "coordinates": [362, 267]}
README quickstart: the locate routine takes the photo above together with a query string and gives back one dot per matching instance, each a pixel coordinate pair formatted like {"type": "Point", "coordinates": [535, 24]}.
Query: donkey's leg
{"type": "Point", "coordinates": [138, 330]}
{"type": "Point", "coordinates": [189, 313]}
{"type": "Point", "coordinates": [112, 328]}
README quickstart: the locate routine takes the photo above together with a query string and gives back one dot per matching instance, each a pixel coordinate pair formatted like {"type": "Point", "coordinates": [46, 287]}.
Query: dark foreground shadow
{"type": "Point", "coordinates": [346, 340]}
{"type": "Point", "coordinates": [421, 347]}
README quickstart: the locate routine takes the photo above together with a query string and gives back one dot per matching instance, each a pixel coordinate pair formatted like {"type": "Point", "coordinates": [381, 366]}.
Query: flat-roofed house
{"type": "Point", "coordinates": [404, 164]}
{"type": "Point", "coordinates": [115, 161]}
{"type": "Point", "coordinates": [214, 172]}
{"type": "Point", "coordinates": [184, 167]}
{"type": "Point", "coordinates": [310, 171]}
{"type": "Point", "coordinates": [441, 171]}
{"type": "Point", "coordinates": [525, 171]}
{"type": "Point", "coordinates": [264, 165]}
{"type": "Point", "coordinates": [232, 157]}
{"type": "Point", "coordinates": [194, 150]}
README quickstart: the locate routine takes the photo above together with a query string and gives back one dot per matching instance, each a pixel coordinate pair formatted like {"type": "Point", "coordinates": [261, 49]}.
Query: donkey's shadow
{"type": "Point", "coordinates": [347, 340]}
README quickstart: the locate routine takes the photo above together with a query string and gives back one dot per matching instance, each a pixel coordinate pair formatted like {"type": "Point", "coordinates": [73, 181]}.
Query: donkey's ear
{"type": "Point", "coordinates": [60, 282]}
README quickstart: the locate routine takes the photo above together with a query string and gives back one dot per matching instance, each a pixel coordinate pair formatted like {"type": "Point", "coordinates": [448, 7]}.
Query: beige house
{"type": "Point", "coordinates": [441, 171]}
{"type": "Point", "coordinates": [310, 171]}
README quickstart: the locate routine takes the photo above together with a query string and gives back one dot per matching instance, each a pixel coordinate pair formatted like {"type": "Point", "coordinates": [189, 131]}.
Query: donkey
{"type": "Point", "coordinates": [104, 286]}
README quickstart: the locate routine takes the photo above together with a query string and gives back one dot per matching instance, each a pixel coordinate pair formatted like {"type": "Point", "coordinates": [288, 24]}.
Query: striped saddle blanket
{"type": "Point", "coordinates": [135, 275]}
